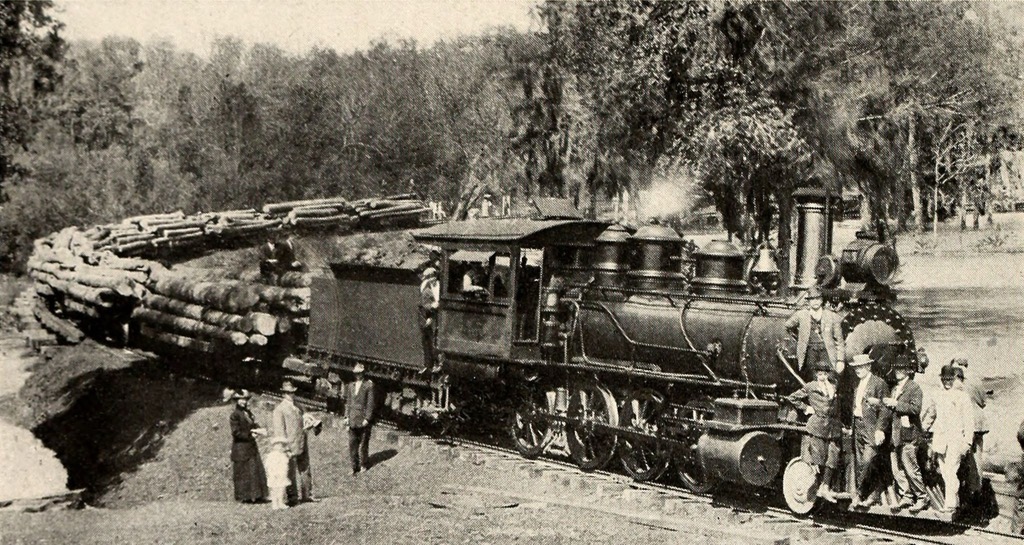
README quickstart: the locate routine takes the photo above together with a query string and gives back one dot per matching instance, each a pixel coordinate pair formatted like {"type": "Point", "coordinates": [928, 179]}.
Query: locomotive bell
{"type": "Point", "coordinates": [765, 264]}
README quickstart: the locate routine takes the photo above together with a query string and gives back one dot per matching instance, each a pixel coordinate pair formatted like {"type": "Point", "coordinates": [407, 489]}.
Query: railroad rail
{"type": "Point", "coordinates": [837, 525]}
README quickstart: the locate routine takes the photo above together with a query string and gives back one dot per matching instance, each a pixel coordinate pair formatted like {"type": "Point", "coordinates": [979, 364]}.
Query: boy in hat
{"type": "Point", "coordinates": [870, 419]}
{"type": "Point", "coordinates": [819, 446]}
{"type": "Point", "coordinates": [360, 403]}
{"type": "Point", "coordinates": [905, 403]}
{"type": "Point", "coordinates": [952, 433]}
{"type": "Point", "coordinates": [819, 336]}
{"type": "Point", "coordinates": [276, 464]}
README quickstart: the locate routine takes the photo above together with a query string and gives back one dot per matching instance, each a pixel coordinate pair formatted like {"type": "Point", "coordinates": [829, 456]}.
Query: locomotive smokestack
{"type": "Point", "coordinates": [813, 234]}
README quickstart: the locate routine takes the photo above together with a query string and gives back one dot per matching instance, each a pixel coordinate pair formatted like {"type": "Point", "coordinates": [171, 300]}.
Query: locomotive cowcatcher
{"type": "Point", "coordinates": [620, 344]}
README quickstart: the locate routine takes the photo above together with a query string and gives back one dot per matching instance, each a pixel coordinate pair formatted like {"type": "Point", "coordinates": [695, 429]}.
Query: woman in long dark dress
{"type": "Point", "coordinates": [250, 479]}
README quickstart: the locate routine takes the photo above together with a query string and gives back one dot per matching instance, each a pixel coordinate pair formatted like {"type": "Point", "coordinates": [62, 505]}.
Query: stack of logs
{"type": "Point", "coordinates": [100, 273]}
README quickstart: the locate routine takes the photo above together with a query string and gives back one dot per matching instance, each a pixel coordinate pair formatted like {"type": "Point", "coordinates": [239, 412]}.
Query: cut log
{"type": "Point", "coordinates": [60, 327]}
{"type": "Point", "coordinates": [258, 340]}
{"type": "Point", "coordinates": [76, 307]}
{"type": "Point", "coordinates": [228, 296]}
{"type": "Point", "coordinates": [124, 283]}
{"type": "Point", "coordinates": [230, 322]}
{"type": "Point", "coordinates": [177, 340]}
{"type": "Point", "coordinates": [100, 297]}
{"type": "Point", "coordinates": [130, 247]}
{"type": "Point", "coordinates": [284, 324]}
{"type": "Point", "coordinates": [263, 323]}
{"type": "Point", "coordinates": [178, 214]}
{"type": "Point", "coordinates": [295, 279]}
{"type": "Point", "coordinates": [291, 300]}
{"type": "Point", "coordinates": [188, 326]}
{"type": "Point", "coordinates": [172, 233]}
{"type": "Point", "coordinates": [282, 207]}
{"type": "Point", "coordinates": [341, 220]}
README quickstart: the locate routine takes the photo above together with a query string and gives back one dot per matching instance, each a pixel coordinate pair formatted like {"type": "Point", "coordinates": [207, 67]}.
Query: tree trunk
{"type": "Point", "coordinates": [915, 180]}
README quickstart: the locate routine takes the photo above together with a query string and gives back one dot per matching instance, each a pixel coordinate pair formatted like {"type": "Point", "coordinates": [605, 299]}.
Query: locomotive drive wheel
{"type": "Point", "coordinates": [531, 431]}
{"type": "Point", "coordinates": [643, 460]}
{"type": "Point", "coordinates": [800, 486]}
{"type": "Point", "coordinates": [590, 446]}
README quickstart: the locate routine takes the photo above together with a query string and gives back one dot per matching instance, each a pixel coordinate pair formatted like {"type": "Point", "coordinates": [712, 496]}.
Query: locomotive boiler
{"type": "Point", "coordinates": [618, 344]}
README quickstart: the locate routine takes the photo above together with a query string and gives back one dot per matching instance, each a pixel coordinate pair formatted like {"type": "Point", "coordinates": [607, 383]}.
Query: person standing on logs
{"type": "Point", "coordinates": [430, 297]}
{"type": "Point", "coordinates": [819, 446]}
{"type": "Point", "coordinates": [269, 269]}
{"type": "Point", "coordinates": [905, 403]}
{"type": "Point", "coordinates": [290, 424]}
{"type": "Point", "coordinates": [247, 467]}
{"type": "Point", "coordinates": [285, 255]}
{"type": "Point", "coordinates": [870, 420]}
{"type": "Point", "coordinates": [360, 402]}
{"type": "Point", "coordinates": [819, 336]}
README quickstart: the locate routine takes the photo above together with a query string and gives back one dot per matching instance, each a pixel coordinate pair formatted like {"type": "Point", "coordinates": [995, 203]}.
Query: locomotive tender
{"type": "Point", "coordinates": [620, 344]}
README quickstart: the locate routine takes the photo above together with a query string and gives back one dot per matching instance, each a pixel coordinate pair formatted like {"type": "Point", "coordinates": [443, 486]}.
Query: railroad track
{"type": "Point", "coordinates": [677, 502]}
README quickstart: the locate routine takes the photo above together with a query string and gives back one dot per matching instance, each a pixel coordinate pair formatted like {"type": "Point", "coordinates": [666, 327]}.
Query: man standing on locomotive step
{"type": "Point", "coordinates": [430, 297]}
{"type": "Point", "coordinates": [870, 419]}
{"type": "Point", "coordinates": [290, 424]}
{"type": "Point", "coordinates": [359, 407]}
{"type": "Point", "coordinates": [819, 335]}
{"type": "Point", "coordinates": [905, 404]}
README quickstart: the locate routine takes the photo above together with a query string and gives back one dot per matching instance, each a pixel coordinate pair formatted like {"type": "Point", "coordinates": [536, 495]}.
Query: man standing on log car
{"type": "Point", "coordinates": [268, 261]}
{"type": "Point", "coordinates": [289, 423]}
{"type": "Point", "coordinates": [359, 407]}
{"type": "Point", "coordinates": [430, 297]}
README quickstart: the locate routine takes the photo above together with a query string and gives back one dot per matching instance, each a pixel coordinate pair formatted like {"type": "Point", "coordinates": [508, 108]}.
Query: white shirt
{"type": "Point", "coordinates": [858, 399]}
{"type": "Point", "coordinates": [953, 430]}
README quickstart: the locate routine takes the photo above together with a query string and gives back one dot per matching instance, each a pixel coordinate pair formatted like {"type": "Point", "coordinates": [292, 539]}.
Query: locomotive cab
{"type": "Point", "coordinates": [494, 278]}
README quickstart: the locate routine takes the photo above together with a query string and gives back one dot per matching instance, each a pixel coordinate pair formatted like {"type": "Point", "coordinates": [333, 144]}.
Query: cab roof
{"type": "Point", "coordinates": [514, 231]}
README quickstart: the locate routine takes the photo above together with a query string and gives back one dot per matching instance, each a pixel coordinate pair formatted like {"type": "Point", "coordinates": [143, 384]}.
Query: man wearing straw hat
{"type": "Point", "coordinates": [870, 420]}
{"type": "Point", "coordinates": [289, 423]}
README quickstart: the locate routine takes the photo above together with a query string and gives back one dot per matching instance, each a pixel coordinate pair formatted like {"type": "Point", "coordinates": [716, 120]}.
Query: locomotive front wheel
{"type": "Point", "coordinates": [800, 486]}
{"type": "Point", "coordinates": [644, 460]}
{"type": "Point", "coordinates": [531, 431]}
{"type": "Point", "coordinates": [591, 408]}
{"type": "Point", "coordinates": [691, 473]}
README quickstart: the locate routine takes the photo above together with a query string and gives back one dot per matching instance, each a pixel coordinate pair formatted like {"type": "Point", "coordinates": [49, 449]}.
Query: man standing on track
{"type": "Point", "coordinates": [289, 423]}
{"type": "Point", "coordinates": [360, 402]}
{"type": "Point", "coordinates": [870, 419]}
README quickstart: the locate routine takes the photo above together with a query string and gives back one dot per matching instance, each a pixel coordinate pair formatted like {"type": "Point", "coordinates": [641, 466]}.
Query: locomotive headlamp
{"type": "Point", "coordinates": [866, 260]}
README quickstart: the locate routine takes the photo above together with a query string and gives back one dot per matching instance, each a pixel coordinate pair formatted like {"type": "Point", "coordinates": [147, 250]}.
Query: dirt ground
{"type": "Point", "coordinates": [410, 495]}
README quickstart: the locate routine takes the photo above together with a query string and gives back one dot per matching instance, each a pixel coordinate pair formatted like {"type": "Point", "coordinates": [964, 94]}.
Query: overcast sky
{"type": "Point", "coordinates": [294, 25]}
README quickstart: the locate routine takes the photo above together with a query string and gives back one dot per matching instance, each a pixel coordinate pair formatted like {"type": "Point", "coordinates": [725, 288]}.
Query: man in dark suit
{"type": "Point", "coordinates": [819, 335]}
{"type": "Point", "coordinates": [905, 404]}
{"type": "Point", "coordinates": [870, 420]}
{"type": "Point", "coordinates": [360, 402]}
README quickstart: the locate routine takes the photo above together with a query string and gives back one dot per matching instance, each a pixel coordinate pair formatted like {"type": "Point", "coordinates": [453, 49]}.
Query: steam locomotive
{"type": "Point", "coordinates": [619, 345]}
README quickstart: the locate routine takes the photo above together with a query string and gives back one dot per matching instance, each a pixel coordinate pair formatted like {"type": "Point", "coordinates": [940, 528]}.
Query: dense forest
{"type": "Point", "coordinates": [742, 100]}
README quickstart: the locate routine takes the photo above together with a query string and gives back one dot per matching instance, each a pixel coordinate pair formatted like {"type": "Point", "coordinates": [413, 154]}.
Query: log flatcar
{"type": "Point", "coordinates": [622, 345]}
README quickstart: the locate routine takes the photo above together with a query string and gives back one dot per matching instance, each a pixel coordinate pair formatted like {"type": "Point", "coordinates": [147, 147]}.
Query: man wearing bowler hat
{"type": "Point", "coordinates": [870, 420]}
{"type": "Point", "coordinates": [819, 335]}
{"type": "Point", "coordinates": [360, 403]}
{"type": "Point", "coordinates": [289, 423]}
{"type": "Point", "coordinates": [430, 297]}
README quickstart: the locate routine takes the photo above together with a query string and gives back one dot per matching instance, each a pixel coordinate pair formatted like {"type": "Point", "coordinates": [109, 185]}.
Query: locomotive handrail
{"type": "Point", "coordinates": [688, 297]}
{"type": "Point", "coordinates": [712, 377]}
{"type": "Point", "coordinates": [786, 364]}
